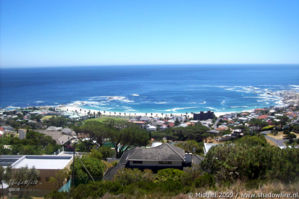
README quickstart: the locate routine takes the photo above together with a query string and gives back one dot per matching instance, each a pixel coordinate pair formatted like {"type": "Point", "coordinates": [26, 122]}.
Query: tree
{"type": "Point", "coordinates": [2, 172]}
{"type": "Point", "coordinates": [34, 144]}
{"type": "Point", "coordinates": [177, 122]}
{"type": "Point", "coordinates": [95, 129]}
{"type": "Point", "coordinates": [87, 169]}
{"type": "Point", "coordinates": [121, 133]}
{"type": "Point", "coordinates": [257, 122]}
{"type": "Point", "coordinates": [24, 178]}
{"type": "Point", "coordinates": [290, 137]}
{"type": "Point", "coordinates": [123, 139]}
{"type": "Point", "coordinates": [59, 179]}
{"type": "Point", "coordinates": [191, 146]}
{"type": "Point", "coordinates": [57, 121]}
{"type": "Point", "coordinates": [5, 176]}
{"type": "Point", "coordinates": [106, 152]}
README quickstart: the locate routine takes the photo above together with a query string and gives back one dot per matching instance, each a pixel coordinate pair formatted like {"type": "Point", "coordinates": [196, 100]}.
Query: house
{"type": "Point", "coordinates": [170, 124]}
{"type": "Point", "coordinates": [47, 166]}
{"type": "Point", "coordinates": [208, 146]}
{"type": "Point", "coordinates": [213, 131]}
{"type": "Point", "coordinates": [203, 115]}
{"type": "Point", "coordinates": [68, 131]}
{"type": "Point", "coordinates": [139, 123]}
{"type": "Point", "coordinates": [1, 131]}
{"type": "Point", "coordinates": [158, 157]}
{"type": "Point", "coordinates": [58, 135]}
{"type": "Point", "coordinates": [22, 133]}
{"type": "Point", "coordinates": [263, 117]}
{"type": "Point", "coordinates": [151, 127]}
{"type": "Point", "coordinates": [163, 126]}
{"type": "Point", "coordinates": [183, 125]}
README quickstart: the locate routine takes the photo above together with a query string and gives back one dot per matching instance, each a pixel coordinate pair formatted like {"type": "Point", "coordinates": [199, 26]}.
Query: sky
{"type": "Point", "coordinates": [125, 32]}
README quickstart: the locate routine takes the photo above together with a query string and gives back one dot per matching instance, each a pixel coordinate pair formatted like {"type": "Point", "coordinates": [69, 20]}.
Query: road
{"type": "Point", "coordinates": [279, 143]}
{"type": "Point", "coordinates": [216, 123]}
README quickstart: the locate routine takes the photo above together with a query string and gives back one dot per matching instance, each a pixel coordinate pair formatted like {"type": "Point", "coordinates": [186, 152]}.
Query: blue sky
{"type": "Point", "coordinates": [115, 32]}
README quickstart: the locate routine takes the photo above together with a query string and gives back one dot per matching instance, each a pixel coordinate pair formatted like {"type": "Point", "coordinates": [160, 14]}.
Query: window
{"type": "Point", "coordinates": [164, 162]}
{"type": "Point", "coordinates": [137, 162]}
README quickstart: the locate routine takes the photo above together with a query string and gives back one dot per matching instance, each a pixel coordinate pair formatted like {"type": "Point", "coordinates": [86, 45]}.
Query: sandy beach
{"type": "Point", "coordinates": [76, 110]}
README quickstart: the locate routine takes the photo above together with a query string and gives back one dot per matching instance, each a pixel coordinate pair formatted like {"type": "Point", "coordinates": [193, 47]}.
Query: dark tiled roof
{"type": "Point", "coordinates": [164, 152]}
{"type": "Point", "coordinates": [121, 164]}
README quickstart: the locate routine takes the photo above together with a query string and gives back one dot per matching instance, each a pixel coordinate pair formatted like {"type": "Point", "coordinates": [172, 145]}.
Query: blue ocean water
{"type": "Point", "coordinates": [168, 88]}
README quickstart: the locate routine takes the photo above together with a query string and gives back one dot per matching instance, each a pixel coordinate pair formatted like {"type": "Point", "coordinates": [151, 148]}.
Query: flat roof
{"type": "Point", "coordinates": [43, 162]}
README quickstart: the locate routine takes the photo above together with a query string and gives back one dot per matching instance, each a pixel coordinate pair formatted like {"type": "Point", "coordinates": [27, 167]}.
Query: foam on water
{"type": "Point", "coordinates": [148, 89]}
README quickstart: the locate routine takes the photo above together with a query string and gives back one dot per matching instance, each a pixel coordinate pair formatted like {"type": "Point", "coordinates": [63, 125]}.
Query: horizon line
{"type": "Point", "coordinates": [115, 65]}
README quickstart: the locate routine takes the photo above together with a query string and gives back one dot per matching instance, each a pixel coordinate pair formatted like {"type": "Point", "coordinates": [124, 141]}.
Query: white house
{"type": "Point", "coordinates": [208, 146]}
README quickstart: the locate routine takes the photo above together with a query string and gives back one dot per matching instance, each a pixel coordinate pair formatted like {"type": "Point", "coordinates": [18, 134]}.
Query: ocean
{"type": "Point", "coordinates": [146, 89]}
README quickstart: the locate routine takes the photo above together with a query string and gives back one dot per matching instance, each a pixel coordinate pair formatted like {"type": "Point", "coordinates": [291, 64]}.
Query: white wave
{"type": "Point", "coordinates": [84, 103]}
{"type": "Point", "coordinates": [203, 102]}
{"type": "Point", "coordinates": [222, 102]}
{"type": "Point", "coordinates": [178, 108]}
{"type": "Point", "coordinates": [160, 102]}
{"type": "Point", "coordinates": [39, 102]}
{"type": "Point", "coordinates": [295, 87]}
{"type": "Point", "coordinates": [135, 94]}
{"type": "Point", "coordinates": [243, 89]}
{"type": "Point", "coordinates": [12, 107]}
{"type": "Point", "coordinates": [238, 106]}
{"type": "Point", "coordinates": [212, 108]}
{"type": "Point", "coordinates": [111, 98]}
{"type": "Point", "coordinates": [128, 109]}
{"type": "Point", "coordinates": [119, 98]}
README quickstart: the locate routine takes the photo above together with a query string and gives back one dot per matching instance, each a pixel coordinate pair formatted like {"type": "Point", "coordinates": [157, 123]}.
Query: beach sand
{"type": "Point", "coordinates": [76, 110]}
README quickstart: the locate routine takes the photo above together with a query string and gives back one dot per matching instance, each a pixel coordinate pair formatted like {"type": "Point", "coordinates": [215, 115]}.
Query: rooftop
{"type": "Point", "coordinates": [43, 162]}
{"type": "Point", "coordinates": [8, 160]}
{"type": "Point", "coordinates": [163, 152]}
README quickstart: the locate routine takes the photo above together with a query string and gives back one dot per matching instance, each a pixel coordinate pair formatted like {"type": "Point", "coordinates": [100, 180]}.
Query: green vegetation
{"type": "Point", "coordinates": [191, 146]}
{"type": "Point", "coordinates": [119, 132]}
{"type": "Point", "coordinates": [22, 178]}
{"type": "Point", "coordinates": [251, 158]}
{"type": "Point", "coordinates": [269, 127]}
{"type": "Point", "coordinates": [197, 132]}
{"type": "Point", "coordinates": [58, 121]}
{"type": "Point", "coordinates": [88, 168]}
{"type": "Point", "coordinates": [34, 144]}
{"type": "Point", "coordinates": [257, 122]}
{"type": "Point", "coordinates": [250, 161]}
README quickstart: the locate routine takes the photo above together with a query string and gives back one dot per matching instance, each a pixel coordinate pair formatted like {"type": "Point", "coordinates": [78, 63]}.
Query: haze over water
{"type": "Point", "coordinates": [168, 89]}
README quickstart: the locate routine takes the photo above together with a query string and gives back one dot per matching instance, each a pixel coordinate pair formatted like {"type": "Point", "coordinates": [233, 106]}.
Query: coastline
{"type": "Point", "coordinates": [287, 97]}
{"type": "Point", "coordinates": [74, 110]}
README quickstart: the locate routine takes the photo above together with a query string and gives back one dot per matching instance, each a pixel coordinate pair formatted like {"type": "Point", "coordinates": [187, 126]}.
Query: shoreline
{"type": "Point", "coordinates": [71, 109]}
{"type": "Point", "coordinates": [288, 97]}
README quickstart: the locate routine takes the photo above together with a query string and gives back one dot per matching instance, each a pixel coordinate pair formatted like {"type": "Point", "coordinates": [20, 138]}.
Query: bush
{"type": "Point", "coordinates": [106, 152]}
{"type": "Point", "coordinates": [206, 180]}
{"type": "Point", "coordinates": [170, 180]}
{"type": "Point", "coordinates": [94, 165]}
{"type": "Point", "coordinates": [57, 195]}
{"type": "Point", "coordinates": [130, 176]}
{"type": "Point", "coordinates": [169, 175]}
{"type": "Point", "coordinates": [252, 159]}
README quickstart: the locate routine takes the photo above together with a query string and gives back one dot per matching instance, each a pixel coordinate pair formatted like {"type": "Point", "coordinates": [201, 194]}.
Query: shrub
{"type": "Point", "coordinates": [206, 180]}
